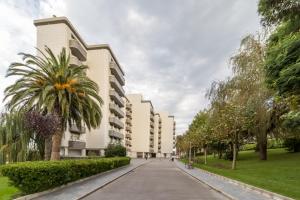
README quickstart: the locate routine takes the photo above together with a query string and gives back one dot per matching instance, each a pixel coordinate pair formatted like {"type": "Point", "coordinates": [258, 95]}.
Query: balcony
{"type": "Point", "coordinates": [116, 122]}
{"type": "Point", "coordinates": [128, 106]}
{"type": "Point", "coordinates": [115, 134]}
{"type": "Point", "coordinates": [128, 128]}
{"type": "Point", "coordinates": [151, 124]}
{"type": "Point", "coordinates": [116, 85]}
{"type": "Point", "coordinates": [77, 50]}
{"type": "Point", "coordinates": [128, 114]}
{"type": "Point", "coordinates": [115, 70]}
{"type": "Point", "coordinates": [152, 130]}
{"type": "Point", "coordinates": [151, 151]}
{"type": "Point", "coordinates": [73, 128]}
{"type": "Point", "coordinates": [114, 95]}
{"type": "Point", "coordinates": [152, 118]}
{"type": "Point", "coordinates": [128, 135]}
{"type": "Point", "coordinates": [116, 110]}
{"type": "Point", "coordinates": [75, 61]}
{"type": "Point", "coordinates": [128, 121]}
{"type": "Point", "coordinates": [128, 143]}
{"type": "Point", "coordinates": [151, 137]}
{"type": "Point", "coordinates": [76, 144]}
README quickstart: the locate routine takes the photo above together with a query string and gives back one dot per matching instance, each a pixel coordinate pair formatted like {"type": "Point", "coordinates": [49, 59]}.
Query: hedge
{"type": "Point", "coordinates": [37, 176]}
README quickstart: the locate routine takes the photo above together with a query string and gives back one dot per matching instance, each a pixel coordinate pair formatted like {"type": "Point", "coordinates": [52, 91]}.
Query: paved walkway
{"type": "Point", "coordinates": [156, 180]}
{"type": "Point", "coordinates": [80, 189]}
{"type": "Point", "coordinates": [230, 188]}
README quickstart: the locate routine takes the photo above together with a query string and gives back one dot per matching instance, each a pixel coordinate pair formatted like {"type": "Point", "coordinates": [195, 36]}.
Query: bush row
{"type": "Point", "coordinates": [31, 177]}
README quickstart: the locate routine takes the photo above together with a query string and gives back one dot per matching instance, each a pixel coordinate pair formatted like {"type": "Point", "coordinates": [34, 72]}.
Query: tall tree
{"type": "Point", "coordinates": [283, 57]}
{"type": "Point", "coordinates": [50, 83]}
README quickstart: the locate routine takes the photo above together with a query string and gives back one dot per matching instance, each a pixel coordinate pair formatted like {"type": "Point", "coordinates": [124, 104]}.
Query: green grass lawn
{"type": "Point", "coordinates": [279, 174]}
{"type": "Point", "coordinates": [6, 191]}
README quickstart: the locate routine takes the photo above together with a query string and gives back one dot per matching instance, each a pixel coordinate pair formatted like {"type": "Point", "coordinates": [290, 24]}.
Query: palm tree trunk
{"type": "Point", "coordinates": [56, 142]}
{"type": "Point", "coordinates": [48, 146]}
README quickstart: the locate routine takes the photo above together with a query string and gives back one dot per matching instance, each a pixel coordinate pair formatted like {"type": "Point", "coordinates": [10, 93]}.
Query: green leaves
{"type": "Point", "coordinates": [31, 177]}
{"type": "Point", "coordinates": [51, 84]}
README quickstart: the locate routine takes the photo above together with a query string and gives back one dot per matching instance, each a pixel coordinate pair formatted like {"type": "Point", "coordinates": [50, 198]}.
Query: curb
{"type": "Point", "coordinates": [39, 194]}
{"type": "Point", "coordinates": [214, 188]}
{"type": "Point", "coordinates": [261, 191]}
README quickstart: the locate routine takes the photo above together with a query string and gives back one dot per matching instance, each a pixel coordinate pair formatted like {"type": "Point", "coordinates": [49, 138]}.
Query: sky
{"type": "Point", "coordinates": [171, 50]}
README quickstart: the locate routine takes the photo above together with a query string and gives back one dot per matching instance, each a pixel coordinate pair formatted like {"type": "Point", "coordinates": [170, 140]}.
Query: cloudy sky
{"type": "Point", "coordinates": [170, 50]}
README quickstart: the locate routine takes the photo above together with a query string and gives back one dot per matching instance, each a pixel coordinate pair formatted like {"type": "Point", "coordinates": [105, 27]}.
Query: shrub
{"type": "Point", "coordinates": [113, 150]}
{"type": "Point", "coordinates": [31, 177]}
{"type": "Point", "coordinates": [292, 144]}
{"type": "Point", "coordinates": [247, 147]}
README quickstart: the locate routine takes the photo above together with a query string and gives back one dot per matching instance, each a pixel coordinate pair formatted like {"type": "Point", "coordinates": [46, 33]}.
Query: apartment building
{"type": "Point", "coordinates": [128, 127]}
{"type": "Point", "coordinates": [105, 70]}
{"type": "Point", "coordinates": [142, 143]}
{"type": "Point", "coordinates": [157, 135]}
{"type": "Point", "coordinates": [167, 136]}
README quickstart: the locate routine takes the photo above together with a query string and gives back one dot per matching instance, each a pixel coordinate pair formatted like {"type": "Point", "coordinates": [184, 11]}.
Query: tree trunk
{"type": "Point", "coordinates": [56, 143]}
{"type": "Point", "coordinates": [234, 156]}
{"type": "Point", "coordinates": [48, 146]}
{"type": "Point", "coordinates": [205, 155]}
{"type": "Point", "coordinates": [194, 154]}
{"type": "Point", "coordinates": [263, 149]}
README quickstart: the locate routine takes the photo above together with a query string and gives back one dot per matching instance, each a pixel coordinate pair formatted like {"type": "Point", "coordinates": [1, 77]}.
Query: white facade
{"type": "Point", "coordinates": [58, 33]}
{"type": "Point", "coordinates": [129, 120]}
{"type": "Point", "coordinates": [142, 126]}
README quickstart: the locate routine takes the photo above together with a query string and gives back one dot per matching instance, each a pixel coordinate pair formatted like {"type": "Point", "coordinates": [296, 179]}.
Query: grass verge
{"type": "Point", "coordinates": [279, 174]}
{"type": "Point", "coordinates": [6, 190]}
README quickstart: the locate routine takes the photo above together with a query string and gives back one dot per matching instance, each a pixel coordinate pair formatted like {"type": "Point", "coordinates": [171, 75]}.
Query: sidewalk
{"type": "Point", "coordinates": [232, 189]}
{"type": "Point", "coordinates": [78, 190]}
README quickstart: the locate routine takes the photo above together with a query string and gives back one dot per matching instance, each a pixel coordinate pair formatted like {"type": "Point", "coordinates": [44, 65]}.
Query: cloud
{"type": "Point", "coordinates": [170, 50]}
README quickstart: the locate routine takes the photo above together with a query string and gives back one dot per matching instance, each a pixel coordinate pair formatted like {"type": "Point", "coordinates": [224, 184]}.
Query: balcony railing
{"type": "Point", "coordinates": [117, 72]}
{"type": "Point", "coordinates": [128, 128]}
{"type": "Point", "coordinates": [151, 124]}
{"type": "Point", "coordinates": [77, 50]}
{"type": "Point", "coordinates": [152, 137]}
{"type": "Point", "coordinates": [116, 85]}
{"type": "Point", "coordinates": [152, 130]}
{"type": "Point", "coordinates": [128, 121]}
{"type": "Point", "coordinates": [75, 61]}
{"type": "Point", "coordinates": [114, 95]}
{"type": "Point", "coordinates": [128, 114]}
{"type": "Point", "coordinates": [76, 144]}
{"type": "Point", "coordinates": [116, 109]}
{"type": "Point", "coordinates": [128, 135]}
{"type": "Point", "coordinates": [128, 106]}
{"type": "Point", "coordinates": [74, 129]}
{"type": "Point", "coordinates": [128, 143]}
{"type": "Point", "coordinates": [116, 122]}
{"type": "Point", "coordinates": [115, 134]}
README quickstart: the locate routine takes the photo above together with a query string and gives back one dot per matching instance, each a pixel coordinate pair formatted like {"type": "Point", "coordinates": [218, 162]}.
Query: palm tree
{"type": "Point", "coordinates": [53, 85]}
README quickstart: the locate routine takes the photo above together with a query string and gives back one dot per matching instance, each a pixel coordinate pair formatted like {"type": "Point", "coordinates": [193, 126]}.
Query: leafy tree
{"type": "Point", "coordinates": [52, 85]}
{"type": "Point", "coordinates": [276, 11]}
{"type": "Point", "coordinates": [283, 57]}
{"type": "Point", "coordinates": [43, 126]}
{"type": "Point", "coordinates": [14, 138]}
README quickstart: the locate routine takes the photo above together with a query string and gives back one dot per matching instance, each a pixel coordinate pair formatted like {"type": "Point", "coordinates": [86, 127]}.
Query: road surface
{"type": "Point", "coordinates": [157, 180]}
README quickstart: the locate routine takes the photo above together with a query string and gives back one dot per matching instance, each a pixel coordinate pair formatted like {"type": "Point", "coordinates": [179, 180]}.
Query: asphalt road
{"type": "Point", "coordinates": [157, 180]}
